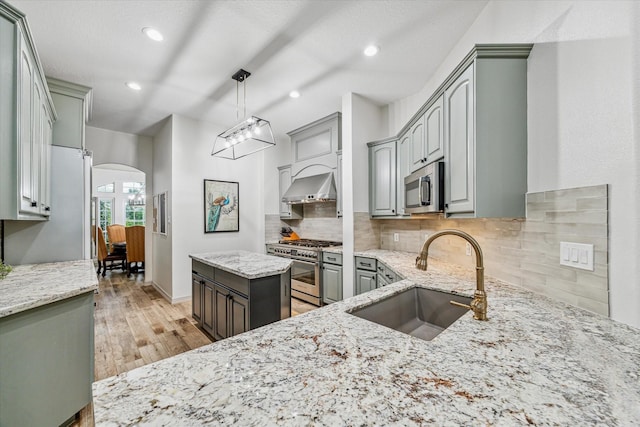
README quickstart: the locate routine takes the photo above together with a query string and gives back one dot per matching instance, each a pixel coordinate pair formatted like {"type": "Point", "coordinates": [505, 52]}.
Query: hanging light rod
{"type": "Point", "coordinates": [249, 135]}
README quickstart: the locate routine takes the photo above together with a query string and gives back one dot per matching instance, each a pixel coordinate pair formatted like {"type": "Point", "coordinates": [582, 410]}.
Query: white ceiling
{"type": "Point", "coordinates": [312, 46]}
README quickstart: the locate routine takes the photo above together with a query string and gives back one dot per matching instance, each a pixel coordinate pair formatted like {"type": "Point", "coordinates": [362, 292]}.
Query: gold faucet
{"type": "Point", "coordinates": [479, 303]}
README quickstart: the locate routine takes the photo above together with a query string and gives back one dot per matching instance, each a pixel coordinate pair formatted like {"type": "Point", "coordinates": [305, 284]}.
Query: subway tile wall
{"type": "Point", "coordinates": [524, 252]}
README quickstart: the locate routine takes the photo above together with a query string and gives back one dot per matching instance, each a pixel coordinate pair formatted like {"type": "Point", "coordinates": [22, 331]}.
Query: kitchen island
{"type": "Point", "coordinates": [46, 342]}
{"type": "Point", "coordinates": [535, 361]}
{"type": "Point", "coordinates": [236, 291]}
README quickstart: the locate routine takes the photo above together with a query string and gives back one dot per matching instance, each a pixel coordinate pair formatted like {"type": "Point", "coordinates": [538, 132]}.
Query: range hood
{"type": "Point", "coordinates": [311, 189]}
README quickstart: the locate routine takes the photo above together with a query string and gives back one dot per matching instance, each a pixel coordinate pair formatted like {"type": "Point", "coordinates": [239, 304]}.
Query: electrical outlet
{"type": "Point", "coordinates": [577, 255]}
{"type": "Point", "coordinates": [468, 249]}
{"type": "Point", "coordinates": [396, 237]}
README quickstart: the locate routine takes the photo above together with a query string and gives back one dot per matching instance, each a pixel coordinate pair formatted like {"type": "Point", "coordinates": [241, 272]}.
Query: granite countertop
{"type": "Point", "coordinates": [535, 361]}
{"type": "Point", "coordinates": [33, 285]}
{"type": "Point", "coordinates": [245, 264]}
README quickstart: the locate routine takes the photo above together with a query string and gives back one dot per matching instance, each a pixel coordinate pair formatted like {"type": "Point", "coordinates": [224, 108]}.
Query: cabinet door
{"type": "Point", "coordinates": [238, 314]}
{"type": "Point", "coordinates": [381, 281]}
{"type": "Point", "coordinates": [220, 312]}
{"type": "Point", "coordinates": [37, 141]}
{"type": "Point", "coordinates": [331, 283]}
{"type": "Point", "coordinates": [403, 154]}
{"type": "Point", "coordinates": [25, 137]}
{"type": "Point", "coordinates": [285, 182]}
{"type": "Point", "coordinates": [45, 170]}
{"type": "Point", "coordinates": [382, 179]}
{"type": "Point", "coordinates": [196, 299]}
{"type": "Point", "coordinates": [208, 307]}
{"type": "Point", "coordinates": [418, 155]}
{"type": "Point", "coordinates": [434, 132]}
{"type": "Point", "coordinates": [365, 281]}
{"type": "Point", "coordinates": [459, 137]}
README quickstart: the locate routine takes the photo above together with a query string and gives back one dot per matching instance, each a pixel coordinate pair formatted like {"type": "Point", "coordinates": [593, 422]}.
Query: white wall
{"type": "Point", "coordinates": [582, 95]}
{"type": "Point", "coordinates": [362, 122]}
{"type": "Point", "coordinates": [162, 244]}
{"type": "Point", "coordinates": [131, 150]}
{"type": "Point", "coordinates": [191, 163]}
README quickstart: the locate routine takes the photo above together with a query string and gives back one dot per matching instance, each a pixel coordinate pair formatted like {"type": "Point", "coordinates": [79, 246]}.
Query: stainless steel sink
{"type": "Point", "coordinates": [422, 313]}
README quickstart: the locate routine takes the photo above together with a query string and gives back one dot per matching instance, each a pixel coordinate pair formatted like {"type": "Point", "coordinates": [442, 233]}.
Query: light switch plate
{"type": "Point", "coordinates": [396, 237]}
{"type": "Point", "coordinates": [577, 255]}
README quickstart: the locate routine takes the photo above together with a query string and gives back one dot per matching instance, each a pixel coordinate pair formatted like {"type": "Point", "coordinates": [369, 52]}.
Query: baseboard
{"type": "Point", "coordinates": [167, 297]}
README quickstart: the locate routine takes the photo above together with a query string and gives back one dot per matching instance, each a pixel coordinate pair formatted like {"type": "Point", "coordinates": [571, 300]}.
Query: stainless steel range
{"type": "Point", "coordinates": [306, 283]}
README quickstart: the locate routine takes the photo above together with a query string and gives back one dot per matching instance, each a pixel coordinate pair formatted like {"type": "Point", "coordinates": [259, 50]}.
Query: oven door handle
{"type": "Point", "coordinates": [304, 262]}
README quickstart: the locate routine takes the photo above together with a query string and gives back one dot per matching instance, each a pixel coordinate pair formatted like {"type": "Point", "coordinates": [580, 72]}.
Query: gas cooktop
{"type": "Point", "coordinates": [310, 243]}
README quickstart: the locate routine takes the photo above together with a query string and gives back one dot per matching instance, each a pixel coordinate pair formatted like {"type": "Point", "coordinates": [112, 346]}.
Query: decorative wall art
{"type": "Point", "coordinates": [160, 213]}
{"type": "Point", "coordinates": [221, 207]}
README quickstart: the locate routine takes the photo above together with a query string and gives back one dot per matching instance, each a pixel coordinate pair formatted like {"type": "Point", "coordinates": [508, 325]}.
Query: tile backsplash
{"type": "Point", "coordinates": [524, 252]}
{"type": "Point", "coordinates": [319, 222]}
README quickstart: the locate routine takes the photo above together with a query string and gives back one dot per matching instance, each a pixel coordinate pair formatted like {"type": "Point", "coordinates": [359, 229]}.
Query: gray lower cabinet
{"type": "Point", "coordinates": [47, 362]}
{"type": "Point", "coordinates": [225, 304]}
{"type": "Point", "coordinates": [366, 275]}
{"type": "Point", "coordinates": [331, 278]}
{"type": "Point", "coordinates": [385, 275]}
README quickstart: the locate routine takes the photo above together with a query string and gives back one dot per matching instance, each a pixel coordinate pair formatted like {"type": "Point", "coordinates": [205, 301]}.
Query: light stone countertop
{"type": "Point", "coordinates": [245, 264]}
{"type": "Point", "coordinates": [535, 361]}
{"type": "Point", "coordinates": [33, 285]}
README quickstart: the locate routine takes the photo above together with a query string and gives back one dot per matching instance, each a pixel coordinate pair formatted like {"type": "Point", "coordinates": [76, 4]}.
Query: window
{"type": "Point", "coordinates": [132, 187]}
{"type": "Point", "coordinates": [107, 188]}
{"type": "Point", "coordinates": [106, 216]}
{"type": "Point", "coordinates": [134, 215]}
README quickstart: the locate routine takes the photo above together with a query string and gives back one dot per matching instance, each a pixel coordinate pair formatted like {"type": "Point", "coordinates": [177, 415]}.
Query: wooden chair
{"type": "Point", "coordinates": [135, 248]}
{"type": "Point", "coordinates": [104, 256]}
{"type": "Point", "coordinates": [116, 233]}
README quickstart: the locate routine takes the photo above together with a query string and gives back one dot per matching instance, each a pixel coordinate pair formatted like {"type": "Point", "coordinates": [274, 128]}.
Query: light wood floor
{"type": "Point", "coordinates": [135, 325]}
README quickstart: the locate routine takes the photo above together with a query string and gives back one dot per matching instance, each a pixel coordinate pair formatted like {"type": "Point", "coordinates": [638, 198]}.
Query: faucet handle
{"type": "Point", "coordinates": [459, 304]}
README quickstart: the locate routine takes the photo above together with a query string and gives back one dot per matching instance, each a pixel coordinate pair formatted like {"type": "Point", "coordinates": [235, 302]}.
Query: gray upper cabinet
{"type": "Point", "coordinates": [382, 178]}
{"type": "Point", "coordinates": [459, 187]}
{"type": "Point", "coordinates": [434, 131]}
{"type": "Point", "coordinates": [73, 105]}
{"type": "Point", "coordinates": [485, 133]}
{"type": "Point", "coordinates": [403, 155]}
{"type": "Point", "coordinates": [418, 154]}
{"type": "Point", "coordinates": [27, 115]}
{"type": "Point", "coordinates": [284, 179]}
{"type": "Point", "coordinates": [316, 143]}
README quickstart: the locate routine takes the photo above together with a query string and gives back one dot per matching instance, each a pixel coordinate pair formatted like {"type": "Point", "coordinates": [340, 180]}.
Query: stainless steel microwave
{"type": "Point", "coordinates": [424, 189]}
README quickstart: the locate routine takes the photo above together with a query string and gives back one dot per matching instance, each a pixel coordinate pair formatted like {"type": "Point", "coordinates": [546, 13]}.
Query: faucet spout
{"type": "Point", "coordinates": [479, 303]}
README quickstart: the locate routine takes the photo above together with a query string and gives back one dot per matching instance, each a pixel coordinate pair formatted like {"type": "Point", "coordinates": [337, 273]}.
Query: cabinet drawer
{"type": "Point", "coordinates": [331, 258]}
{"type": "Point", "coordinates": [363, 263]}
{"type": "Point", "coordinates": [233, 282]}
{"type": "Point", "coordinates": [202, 269]}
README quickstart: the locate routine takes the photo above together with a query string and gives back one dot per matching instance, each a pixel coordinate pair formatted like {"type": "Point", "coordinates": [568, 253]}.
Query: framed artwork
{"type": "Point", "coordinates": [221, 206]}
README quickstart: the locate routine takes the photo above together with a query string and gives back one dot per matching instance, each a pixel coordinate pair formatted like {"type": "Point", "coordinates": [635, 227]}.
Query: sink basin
{"type": "Point", "coordinates": [422, 313]}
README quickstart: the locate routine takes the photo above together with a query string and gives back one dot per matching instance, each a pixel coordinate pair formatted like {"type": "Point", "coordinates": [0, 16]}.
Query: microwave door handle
{"type": "Point", "coordinates": [419, 191]}
{"type": "Point", "coordinates": [427, 200]}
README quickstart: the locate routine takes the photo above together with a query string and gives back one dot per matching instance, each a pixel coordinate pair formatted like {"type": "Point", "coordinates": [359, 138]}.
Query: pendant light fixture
{"type": "Point", "coordinates": [250, 135]}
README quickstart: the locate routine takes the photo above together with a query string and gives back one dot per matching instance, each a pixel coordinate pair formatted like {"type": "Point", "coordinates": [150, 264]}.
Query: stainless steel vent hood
{"type": "Point", "coordinates": [311, 189]}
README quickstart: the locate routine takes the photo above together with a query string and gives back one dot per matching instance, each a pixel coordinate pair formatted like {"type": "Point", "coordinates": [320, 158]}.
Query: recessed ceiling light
{"type": "Point", "coordinates": [133, 86]}
{"type": "Point", "coordinates": [371, 50]}
{"type": "Point", "coordinates": [294, 94]}
{"type": "Point", "coordinates": [153, 34]}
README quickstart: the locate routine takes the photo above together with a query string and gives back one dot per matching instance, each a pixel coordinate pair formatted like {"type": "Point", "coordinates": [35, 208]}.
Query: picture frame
{"type": "Point", "coordinates": [221, 206]}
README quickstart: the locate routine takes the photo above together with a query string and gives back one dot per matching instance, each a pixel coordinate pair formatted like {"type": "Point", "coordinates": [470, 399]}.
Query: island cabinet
{"type": "Point", "coordinates": [27, 115]}
{"type": "Point", "coordinates": [225, 304]}
{"type": "Point", "coordinates": [331, 277]}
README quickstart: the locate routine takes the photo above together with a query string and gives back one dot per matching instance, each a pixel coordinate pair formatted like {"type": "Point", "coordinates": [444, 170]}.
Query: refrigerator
{"type": "Point", "coordinates": [66, 236]}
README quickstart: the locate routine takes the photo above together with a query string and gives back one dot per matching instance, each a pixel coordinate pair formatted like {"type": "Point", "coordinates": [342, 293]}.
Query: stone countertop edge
{"type": "Point", "coordinates": [249, 265]}
{"type": "Point", "coordinates": [535, 361]}
{"type": "Point", "coordinates": [30, 286]}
